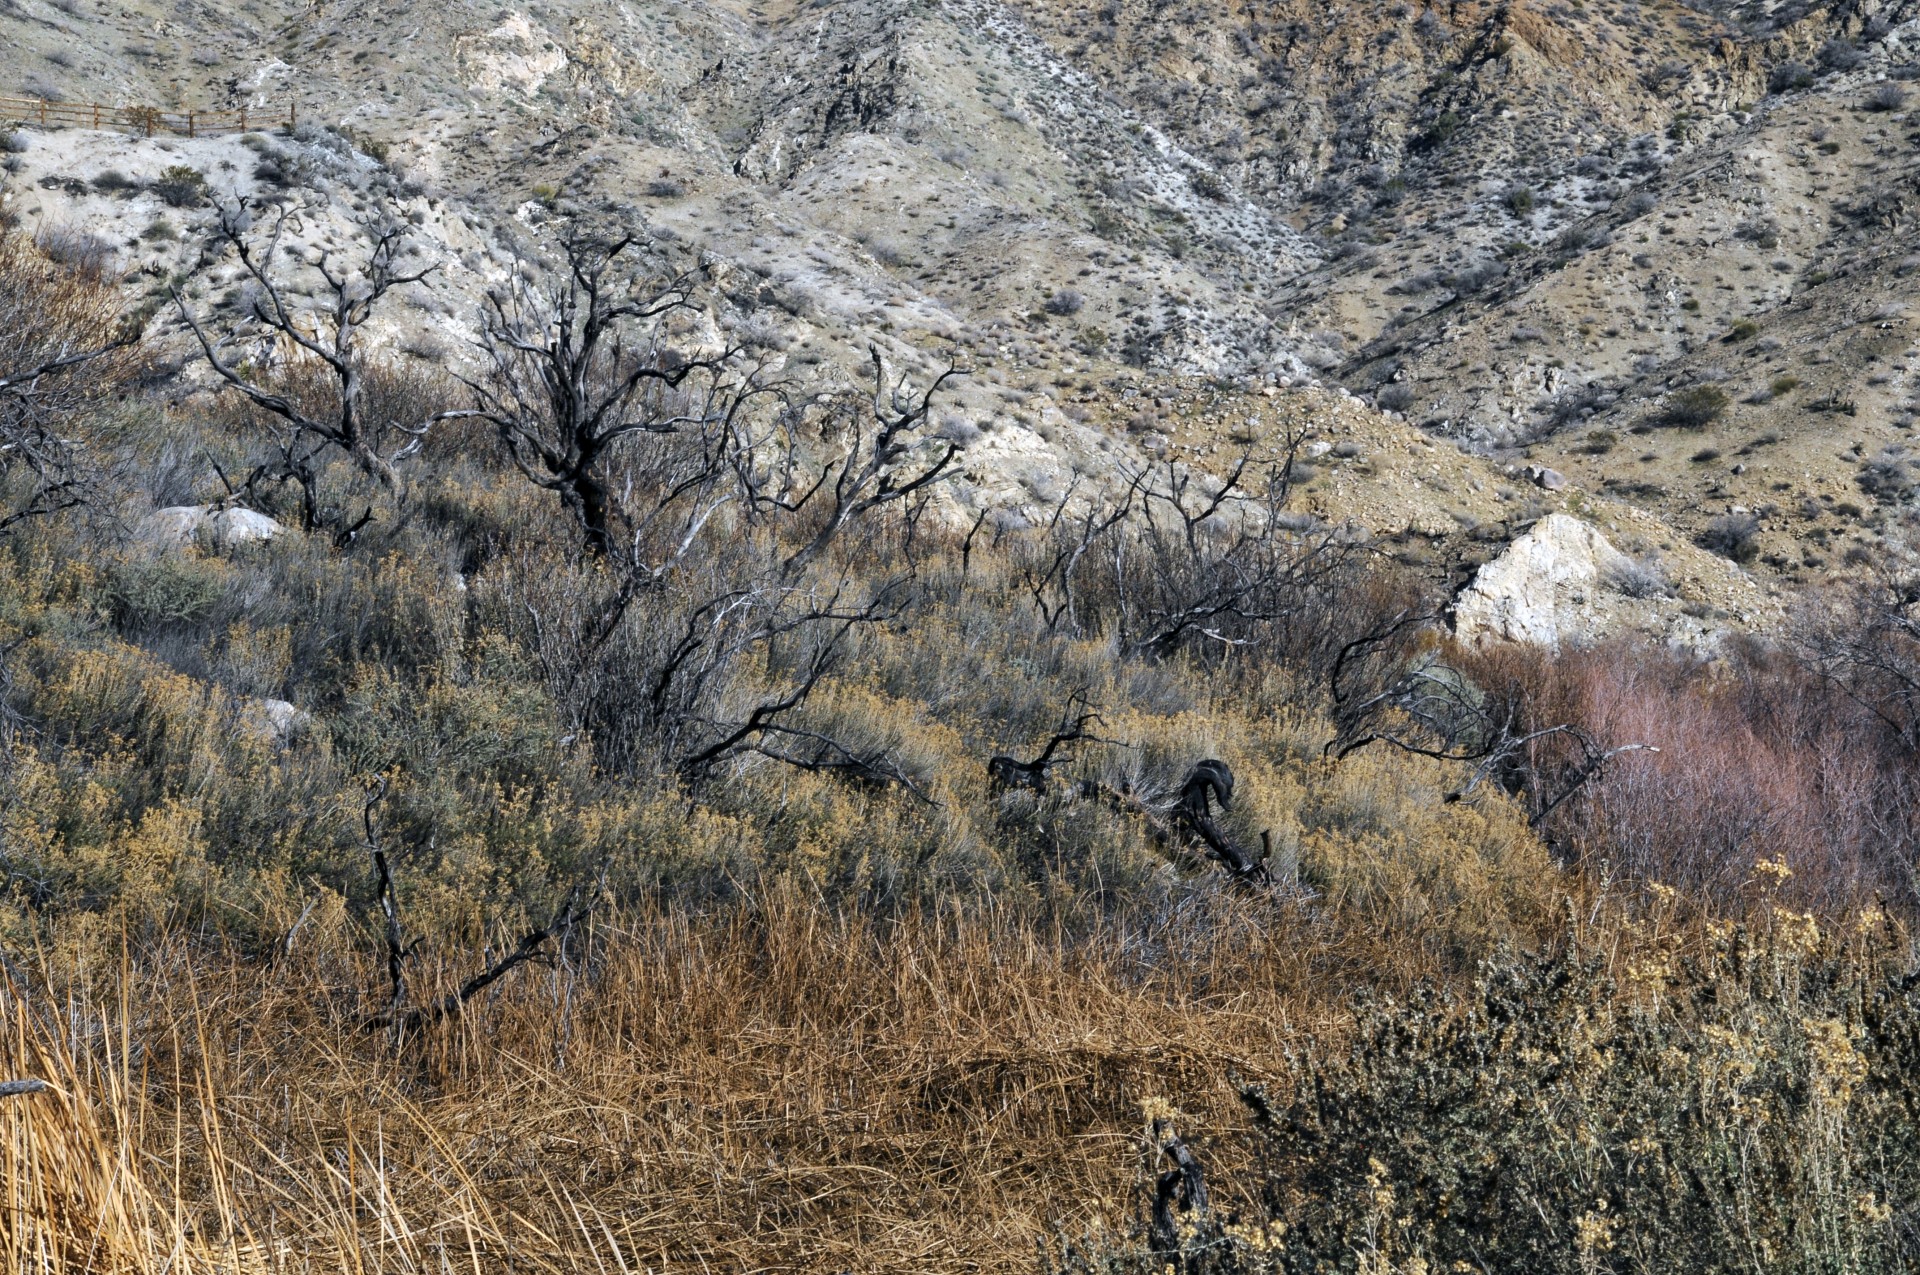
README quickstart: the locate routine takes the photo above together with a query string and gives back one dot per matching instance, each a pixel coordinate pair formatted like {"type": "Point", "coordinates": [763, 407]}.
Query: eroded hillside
{"type": "Point", "coordinates": [1659, 249]}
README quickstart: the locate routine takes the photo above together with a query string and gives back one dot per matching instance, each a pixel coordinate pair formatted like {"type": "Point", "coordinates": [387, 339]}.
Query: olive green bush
{"type": "Point", "coordinates": [1729, 1098]}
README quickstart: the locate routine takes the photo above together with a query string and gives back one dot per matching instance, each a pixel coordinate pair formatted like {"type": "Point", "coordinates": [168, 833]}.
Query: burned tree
{"type": "Point", "coordinates": [1218, 564]}
{"type": "Point", "coordinates": [1180, 1202]}
{"type": "Point", "coordinates": [308, 366]}
{"type": "Point", "coordinates": [1389, 687]}
{"type": "Point", "coordinates": [64, 348]}
{"type": "Point", "coordinates": [1207, 782]}
{"type": "Point", "coordinates": [583, 363]}
{"type": "Point", "coordinates": [399, 1019]}
{"type": "Point", "coordinates": [1172, 560]}
{"type": "Point", "coordinates": [1010, 772]}
{"type": "Point", "coordinates": [1864, 641]}
{"type": "Point", "coordinates": [878, 467]}
{"type": "Point", "coordinates": [1070, 536]}
{"type": "Point", "coordinates": [712, 503]}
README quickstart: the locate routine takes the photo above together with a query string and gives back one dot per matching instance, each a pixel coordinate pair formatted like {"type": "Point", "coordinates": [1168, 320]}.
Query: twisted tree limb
{"type": "Point", "coordinates": [1182, 1189]}
{"type": "Point", "coordinates": [531, 947]}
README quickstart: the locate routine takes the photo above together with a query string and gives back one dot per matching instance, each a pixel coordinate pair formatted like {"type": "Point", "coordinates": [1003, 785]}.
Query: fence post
{"type": "Point", "coordinates": [243, 119]}
{"type": "Point", "coordinates": [96, 115]}
{"type": "Point", "coordinates": [43, 112]}
{"type": "Point", "coordinates": [189, 123]}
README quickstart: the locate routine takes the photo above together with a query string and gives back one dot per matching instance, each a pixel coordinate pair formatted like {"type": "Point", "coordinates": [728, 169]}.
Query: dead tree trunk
{"type": "Point", "coordinates": [1178, 1191]}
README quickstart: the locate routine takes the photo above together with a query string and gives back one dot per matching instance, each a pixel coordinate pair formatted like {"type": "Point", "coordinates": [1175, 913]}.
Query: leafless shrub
{"type": "Point", "coordinates": [1841, 55]}
{"type": "Point", "coordinates": [1639, 578]}
{"type": "Point", "coordinates": [1397, 397]}
{"type": "Point", "coordinates": [1668, 76]}
{"type": "Point", "coordinates": [885, 251]}
{"type": "Point", "coordinates": [1732, 536]}
{"type": "Point", "coordinates": [1477, 277]}
{"type": "Point", "coordinates": [315, 378]}
{"type": "Point", "coordinates": [957, 429]}
{"type": "Point", "coordinates": [1065, 302]}
{"type": "Point", "coordinates": [1789, 76]}
{"type": "Point", "coordinates": [1887, 97]}
{"type": "Point", "coordinates": [85, 253]}
{"type": "Point", "coordinates": [64, 351]}
{"type": "Point", "coordinates": [1889, 476]}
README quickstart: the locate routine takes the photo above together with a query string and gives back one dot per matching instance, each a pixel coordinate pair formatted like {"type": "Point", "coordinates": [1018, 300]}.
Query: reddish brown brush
{"type": "Point", "coordinates": [1752, 757]}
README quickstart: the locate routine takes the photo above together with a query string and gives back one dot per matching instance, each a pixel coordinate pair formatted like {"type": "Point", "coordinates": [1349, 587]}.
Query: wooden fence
{"type": "Point", "coordinates": [145, 120]}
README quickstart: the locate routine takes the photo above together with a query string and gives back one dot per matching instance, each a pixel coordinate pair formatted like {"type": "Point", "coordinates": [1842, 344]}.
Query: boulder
{"type": "Point", "coordinates": [185, 524]}
{"type": "Point", "coordinates": [274, 721]}
{"type": "Point", "coordinates": [1549, 587]}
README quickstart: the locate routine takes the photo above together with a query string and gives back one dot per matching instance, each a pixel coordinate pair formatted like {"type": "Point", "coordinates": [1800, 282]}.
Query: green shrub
{"type": "Point", "coordinates": [1442, 130]}
{"type": "Point", "coordinates": [1696, 406]}
{"type": "Point", "coordinates": [1745, 1105]}
{"type": "Point", "coordinates": [168, 589]}
{"type": "Point", "coordinates": [181, 186]}
{"type": "Point", "coordinates": [1207, 186]}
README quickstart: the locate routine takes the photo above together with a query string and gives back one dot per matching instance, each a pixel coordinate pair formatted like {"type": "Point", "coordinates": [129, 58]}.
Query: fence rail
{"type": "Point", "coordinates": [146, 120]}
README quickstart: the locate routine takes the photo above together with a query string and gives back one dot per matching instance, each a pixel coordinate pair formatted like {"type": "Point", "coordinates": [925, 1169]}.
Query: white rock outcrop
{"type": "Point", "coordinates": [1549, 587]}
{"type": "Point", "coordinates": [274, 721]}
{"type": "Point", "coordinates": [184, 524]}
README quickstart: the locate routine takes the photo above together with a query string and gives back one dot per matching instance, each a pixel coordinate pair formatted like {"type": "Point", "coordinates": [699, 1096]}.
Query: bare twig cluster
{"type": "Point", "coordinates": [315, 374]}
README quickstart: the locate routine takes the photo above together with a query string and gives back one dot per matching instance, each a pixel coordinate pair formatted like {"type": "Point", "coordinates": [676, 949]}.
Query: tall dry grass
{"type": "Point", "coordinates": [780, 1088]}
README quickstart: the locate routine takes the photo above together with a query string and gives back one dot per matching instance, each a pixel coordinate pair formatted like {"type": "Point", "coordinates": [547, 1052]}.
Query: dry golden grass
{"type": "Point", "coordinates": [778, 1089]}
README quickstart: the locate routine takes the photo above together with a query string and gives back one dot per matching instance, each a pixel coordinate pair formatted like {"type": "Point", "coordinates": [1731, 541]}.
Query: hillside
{"type": "Point", "coordinates": [1521, 227]}
{"type": "Point", "coordinates": [955, 636]}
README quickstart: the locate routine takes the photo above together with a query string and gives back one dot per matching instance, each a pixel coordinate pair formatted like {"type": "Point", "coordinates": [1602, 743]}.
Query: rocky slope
{"type": "Point", "coordinates": [1659, 249]}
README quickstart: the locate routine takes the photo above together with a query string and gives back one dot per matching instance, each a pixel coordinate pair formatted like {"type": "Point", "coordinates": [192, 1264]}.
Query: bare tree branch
{"type": "Point", "coordinates": [583, 363]}
{"type": "Point", "coordinates": [875, 471]}
{"type": "Point", "coordinates": [530, 948]}
{"type": "Point", "coordinates": [328, 337]}
{"type": "Point", "coordinates": [1009, 772]}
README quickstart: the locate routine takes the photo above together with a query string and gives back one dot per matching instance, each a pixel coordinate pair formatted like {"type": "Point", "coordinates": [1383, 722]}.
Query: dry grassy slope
{"type": "Point", "coordinates": [927, 176]}
{"type": "Point", "coordinates": [1797, 224]}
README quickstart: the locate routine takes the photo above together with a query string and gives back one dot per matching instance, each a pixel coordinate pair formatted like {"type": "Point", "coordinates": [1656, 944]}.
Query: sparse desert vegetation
{"type": "Point", "coordinates": [428, 886]}
{"type": "Point", "coordinates": [1148, 638]}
